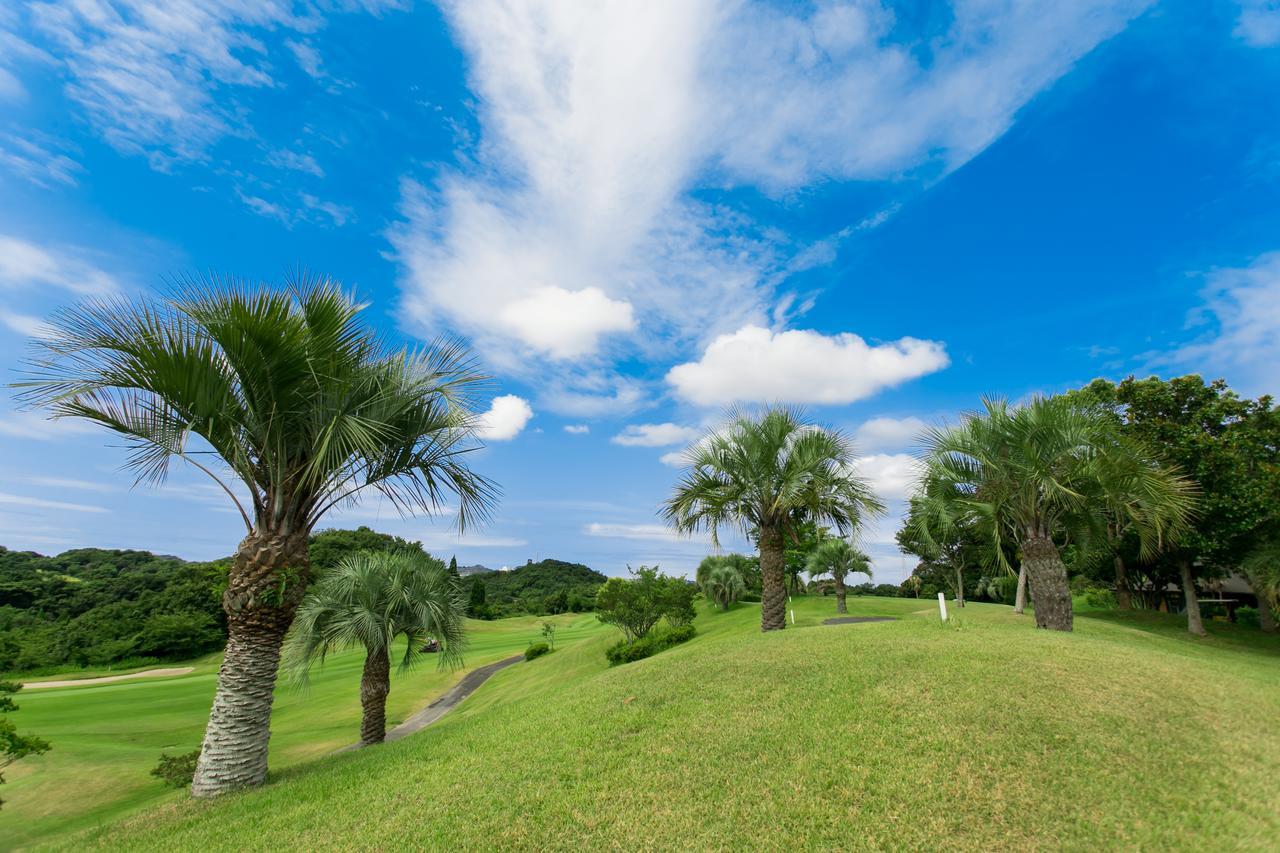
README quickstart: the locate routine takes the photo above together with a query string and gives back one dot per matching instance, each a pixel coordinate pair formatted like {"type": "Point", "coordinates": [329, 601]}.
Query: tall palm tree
{"type": "Point", "coordinates": [1043, 472]}
{"type": "Point", "coordinates": [724, 586]}
{"type": "Point", "coordinates": [836, 557]}
{"type": "Point", "coordinates": [292, 406]}
{"type": "Point", "coordinates": [767, 474]}
{"type": "Point", "coordinates": [369, 600]}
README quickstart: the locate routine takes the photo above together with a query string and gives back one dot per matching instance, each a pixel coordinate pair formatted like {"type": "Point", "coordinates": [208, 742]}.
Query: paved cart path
{"type": "Point", "coordinates": [107, 679]}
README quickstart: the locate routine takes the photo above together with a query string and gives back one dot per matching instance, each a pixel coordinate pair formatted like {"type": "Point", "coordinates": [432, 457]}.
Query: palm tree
{"type": "Point", "coordinates": [738, 562]}
{"type": "Point", "coordinates": [724, 586]}
{"type": "Point", "coordinates": [836, 557]}
{"type": "Point", "coordinates": [1262, 568]}
{"type": "Point", "coordinates": [285, 394]}
{"type": "Point", "coordinates": [767, 474]}
{"type": "Point", "coordinates": [1041, 472]}
{"type": "Point", "coordinates": [369, 600]}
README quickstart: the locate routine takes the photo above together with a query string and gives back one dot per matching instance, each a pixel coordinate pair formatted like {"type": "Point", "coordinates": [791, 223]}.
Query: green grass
{"type": "Point", "coordinates": [905, 734]}
{"type": "Point", "coordinates": [107, 738]}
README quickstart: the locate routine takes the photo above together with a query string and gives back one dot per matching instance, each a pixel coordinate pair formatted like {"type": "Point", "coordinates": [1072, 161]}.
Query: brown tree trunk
{"type": "Point", "coordinates": [375, 684]}
{"type": "Point", "coordinates": [773, 590]}
{"type": "Point", "coordinates": [1194, 624]}
{"type": "Point", "coordinates": [1048, 578]}
{"type": "Point", "coordinates": [1266, 618]}
{"type": "Point", "coordinates": [1020, 600]}
{"type": "Point", "coordinates": [841, 607]}
{"type": "Point", "coordinates": [960, 587]}
{"type": "Point", "coordinates": [1123, 598]}
{"type": "Point", "coordinates": [266, 582]}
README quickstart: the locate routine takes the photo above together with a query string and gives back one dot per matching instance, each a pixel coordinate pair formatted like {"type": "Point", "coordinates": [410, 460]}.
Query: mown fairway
{"type": "Point", "coordinates": [107, 738]}
{"type": "Point", "coordinates": [1126, 733]}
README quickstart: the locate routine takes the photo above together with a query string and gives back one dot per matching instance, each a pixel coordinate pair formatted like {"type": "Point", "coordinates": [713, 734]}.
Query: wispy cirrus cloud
{"type": "Point", "coordinates": [1258, 23]}
{"type": "Point", "coordinates": [26, 265]}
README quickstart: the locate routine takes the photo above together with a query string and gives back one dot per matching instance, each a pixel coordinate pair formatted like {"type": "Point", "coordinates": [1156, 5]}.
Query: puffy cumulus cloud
{"type": "Point", "coordinates": [1258, 24]}
{"type": "Point", "coordinates": [506, 417]}
{"type": "Point", "coordinates": [599, 122]}
{"type": "Point", "coordinates": [653, 532]}
{"type": "Point", "coordinates": [754, 364]}
{"type": "Point", "coordinates": [888, 433]}
{"type": "Point", "coordinates": [25, 265]}
{"type": "Point", "coordinates": [1242, 308]}
{"type": "Point", "coordinates": [892, 475]}
{"type": "Point", "coordinates": [656, 435]}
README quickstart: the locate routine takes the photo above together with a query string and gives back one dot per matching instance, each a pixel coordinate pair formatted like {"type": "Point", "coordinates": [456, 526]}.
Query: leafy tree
{"type": "Point", "coordinates": [536, 587]}
{"type": "Point", "coordinates": [950, 556]}
{"type": "Point", "coordinates": [635, 605]}
{"type": "Point", "coordinates": [13, 745]}
{"type": "Point", "coordinates": [476, 603]}
{"type": "Point", "coordinates": [801, 541]}
{"type": "Point", "coordinates": [1038, 474]}
{"type": "Point", "coordinates": [724, 586]}
{"type": "Point", "coordinates": [768, 474]}
{"type": "Point", "coordinates": [836, 557]}
{"type": "Point", "coordinates": [330, 547]}
{"type": "Point", "coordinates": [1228, 445]}
{"type": "Point", "coordinates": [288, 393]}
{"type": "Point", "coordinates": [369, 600]}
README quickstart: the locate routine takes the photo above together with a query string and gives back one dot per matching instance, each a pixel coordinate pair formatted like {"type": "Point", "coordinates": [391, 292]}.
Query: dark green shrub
{"type": "Point", "coordinates": [536, 650]}
{"type": "Point", "coordinates": [1248, 617]}
{"type": "Point", "coordinates": [626, 652]}
{"type": "Point", "coordinates": [753, 597]}
{"type": "Point", "coordinates": [1100, 598]}
{"type": "Point", "coordinates": [177, 770]}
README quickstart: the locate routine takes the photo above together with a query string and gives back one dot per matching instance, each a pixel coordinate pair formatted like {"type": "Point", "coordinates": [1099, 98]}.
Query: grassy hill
{"type": "Point", "coordinates": [1126, 733]}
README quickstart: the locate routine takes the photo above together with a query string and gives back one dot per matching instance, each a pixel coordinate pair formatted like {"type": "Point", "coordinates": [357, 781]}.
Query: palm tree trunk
{"type": "Point", "coordinates": [841, 607]}
{"type": "Point", "coordinates": [1123, 598]}
{"type": "Point", "coordinates": [375, 684]}
{"type": "Point", "coordinates": [960, 586]}
{"type": "Point", "coordinates": [1266, 618]}
{"type": "Point", "coordinates": [1020, 600]}
{"type": "Point", "coordinates": [1194, 623]}
{"type": "Point", "coordinates": [1048, 578]}
{"type": "Point", "coordinates": [773, 591]}
{"type": "Point", "coordinates": [268, 576]}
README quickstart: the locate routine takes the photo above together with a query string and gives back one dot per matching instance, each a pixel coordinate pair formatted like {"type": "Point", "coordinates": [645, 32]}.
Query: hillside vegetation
{"type": "Point", "coordinates": [981, 734]}
{"type": "Point", "coordinates": [547, 586]}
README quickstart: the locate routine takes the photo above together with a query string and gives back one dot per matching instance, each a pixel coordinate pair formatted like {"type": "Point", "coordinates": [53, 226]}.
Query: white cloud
{"type": "Point", "coordinates": [35, 425]}
{"type": "Point", "coordinates": [673, 459]}
{"type": "Point", "coordinates": [295, 161]}
{"type": "Point", "coordinates": [565, 324]}
{"type": "Point", "coordinates": [69, 483]}
{"type": "Point", "coordinates": [1259, 23]}
{"type": "Point", "coordinates": [24, 324]}
{"type": "Point", "coordinates": [577, 429]}
{"type": "Point", "coordinates": [1242, 305]}
{"type": "Point", "coordinates": [38, 160]}
{"type": "Point", "coordinates": [656, 435]}
{"type": "Point", "coordinates": [888, 433]}
{"type": "Point", "coordinates": [600, 121]}
{"type": "Point", "coordinates": [655, 532]}
{"type": "Point", "coordinates": [25, 265]}
{"type": "Point", "coordinates": [800, 366]}
{"type": "Point", "coordinates": [506, 416]}
{"type": "Point", "coordinates": [38, 503]}
{"type": "Point", "coordinates": [891, 475]}
{"type": "Point", "coordinates": [160, 78]}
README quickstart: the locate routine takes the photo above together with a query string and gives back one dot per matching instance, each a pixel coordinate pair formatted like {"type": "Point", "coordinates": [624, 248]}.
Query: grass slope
{"type": "Point", "coordinates": [107, 738]}
{"type": "Point", "coordinates": [896, 734]}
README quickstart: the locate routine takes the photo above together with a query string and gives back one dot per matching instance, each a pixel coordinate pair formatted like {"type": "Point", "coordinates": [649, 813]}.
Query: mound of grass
{"type": "Point", "coordinates": [107, 739]}
{"type": "Point", "coordinates": [891, 734]}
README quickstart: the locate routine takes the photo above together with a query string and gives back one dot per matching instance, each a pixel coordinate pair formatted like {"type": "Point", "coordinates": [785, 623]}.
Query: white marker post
{"type": "Point", "coordinates": [942, 606]}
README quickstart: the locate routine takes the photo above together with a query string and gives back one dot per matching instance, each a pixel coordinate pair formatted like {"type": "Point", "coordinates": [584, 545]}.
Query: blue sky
{"type": "Point", "coordinates": [640, 214]}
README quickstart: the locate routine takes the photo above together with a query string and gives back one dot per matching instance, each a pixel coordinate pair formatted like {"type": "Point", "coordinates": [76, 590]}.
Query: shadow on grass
{"type": "Point", "coordinates": [1174, 626]}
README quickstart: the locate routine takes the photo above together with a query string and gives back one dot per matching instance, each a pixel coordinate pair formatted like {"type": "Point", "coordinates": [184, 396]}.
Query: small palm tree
{"type": "Point", "coordinates": [284, 393]}
{"type": "Point", "coordinates": [369, 600]}
{"type": "Point", "coordinates": [1040, 473]}
{"type": "Point", "coordinates": [724, 586]}
{"type": "Point", "coordinates": [738, 562]}
{"type": "Point", "coordinates": [767, 474]}
{"type": "Point", "coordinates": [836, 557]}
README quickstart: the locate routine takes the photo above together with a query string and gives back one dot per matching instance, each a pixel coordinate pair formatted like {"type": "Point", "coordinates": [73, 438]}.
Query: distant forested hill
{"type": "Point", "coordinates": [548, 586]}
{"type": "Point", "coordinates": [95, 607]}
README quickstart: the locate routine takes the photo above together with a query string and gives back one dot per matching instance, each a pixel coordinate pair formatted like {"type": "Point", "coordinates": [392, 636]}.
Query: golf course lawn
{"type": "Point", "coordinates": [106, 738]}
{"type": "Point", "coordinates": [981, 734]}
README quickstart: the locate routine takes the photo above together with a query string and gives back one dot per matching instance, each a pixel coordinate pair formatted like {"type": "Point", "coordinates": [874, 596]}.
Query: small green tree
{"type": "Point", "coordinates": [13, 745]}
{"type": "Point", "coordinates": [724, 586]}
{"type": "Point", "coordinates": [369, 600]}
{"type": "Point", "coordinates": [634, 606]}
{"type": "Point", "coordinates": [836, 557]}
{"type": "Point", "coordinates": [549, 634]}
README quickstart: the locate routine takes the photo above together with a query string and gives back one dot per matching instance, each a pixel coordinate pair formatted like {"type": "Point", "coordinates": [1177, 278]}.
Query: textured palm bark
{"type": "Point", "coordinates": [375, 684]}
{"type": "Point", "coordinates": [1020, 600]}
{"type": "Point", "coordinates": [841, 607]}
{"type": "Point", "coordinates": [1048, 578]}
{"type": "Point", "coordinates": [960, 586]}
{"type": "Point", "coordinates": [264, 587]}
{"type": "Point", "coordinates": [1194, 624]}
{"type": "Point", "coordinates": [1123, 598]}
{"type": "Point", "coordinates": [773, 590]}
{"type": "Point", "coordinates": [1266, 617]}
